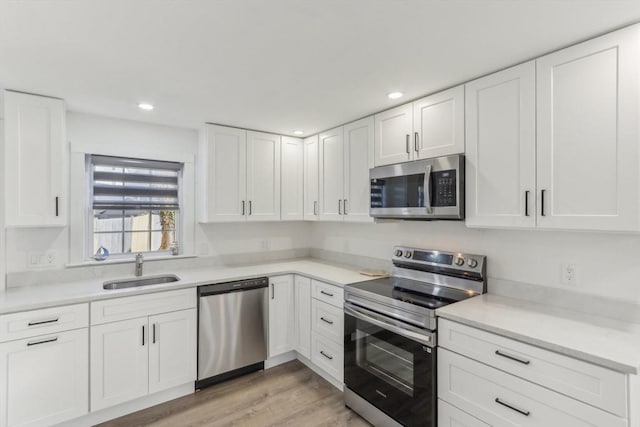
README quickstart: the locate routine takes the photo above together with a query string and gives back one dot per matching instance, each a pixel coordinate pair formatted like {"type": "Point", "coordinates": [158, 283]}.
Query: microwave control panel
{"type": "Point", "coordinates": [443, 188]}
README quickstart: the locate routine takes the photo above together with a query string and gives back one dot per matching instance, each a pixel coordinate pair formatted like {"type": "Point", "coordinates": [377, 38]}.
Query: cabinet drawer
{"type": "Point", "coordinates": [595, 385]}
{"type": "Point", "coordinates": [41, 322]}
{"type": "Point", "coordinates": [328, 293]}
{"type": "Point", "coordinates": [328, 355]}
{"type": "Point", "coordinates": [450, 416]}
{"type": "Point", "coordinates": [117, 309]}
{"type": "Point", "coordinates": [327, 320]}
{"type": "Point", "coordinates": [503, 400]}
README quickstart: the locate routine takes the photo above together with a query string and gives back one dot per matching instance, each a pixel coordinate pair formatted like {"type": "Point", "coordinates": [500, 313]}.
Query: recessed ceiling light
{"type": "Point", "coordinates": [395, 95]}
{"type": "Point", "coordinates": [145, 106]}
{"type": "Point", "coordinates": [298, 132]}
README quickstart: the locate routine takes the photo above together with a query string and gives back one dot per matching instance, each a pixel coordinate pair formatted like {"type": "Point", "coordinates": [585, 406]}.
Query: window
{"type": "Point", "coordinates": [135, 204]}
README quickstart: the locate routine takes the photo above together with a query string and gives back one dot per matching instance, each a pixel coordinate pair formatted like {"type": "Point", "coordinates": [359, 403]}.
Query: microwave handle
{"type": "Point", "coordinates": [427, 189]}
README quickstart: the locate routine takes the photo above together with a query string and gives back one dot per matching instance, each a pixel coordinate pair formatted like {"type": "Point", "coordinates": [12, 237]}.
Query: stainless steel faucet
{"type": "Point", "coordinates": [139, 261]}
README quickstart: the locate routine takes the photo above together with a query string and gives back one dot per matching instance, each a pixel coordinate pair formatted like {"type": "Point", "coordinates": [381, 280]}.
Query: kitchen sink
{"type": "Point", "coordinates": [140, 281]}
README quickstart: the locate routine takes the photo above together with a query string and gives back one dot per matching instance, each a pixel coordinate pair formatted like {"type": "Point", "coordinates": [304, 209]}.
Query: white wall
{"type": "Point", "coordinates": [607, 263]}
{"type": "Point", "coordinates": [135, 137]}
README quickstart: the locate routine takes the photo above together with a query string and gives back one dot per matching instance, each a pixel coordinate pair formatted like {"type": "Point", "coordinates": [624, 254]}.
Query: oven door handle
{"type": "Point", "coordinates": [375, 319]}
{"type": "Point", "coordinates": [427, 189]}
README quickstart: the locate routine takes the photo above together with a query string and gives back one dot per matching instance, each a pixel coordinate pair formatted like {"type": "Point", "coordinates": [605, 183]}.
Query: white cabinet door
{"type": "Point", "coordinates": [292, 179]}
{"type": "Point", "coordinates": [119, 362]}
{"type": "Point", "coordinates": [281, 329]}
{"type": "Point", "coordinates": [302, 310]}
{"type": "Point", "coordinates": [331, 174]}
{"type": "Point", "coordinates": [311, 176]}
{"type": "Point", "coordinates": [35, 160]}
{"type": "Point", "coordinates": [44, 380]}
{"type": "Point", "coordinates": [501, 149]}
{"type": "Point", "coordinates": [172, 349]}
{"type": "Point", "coordinates": [393, 131]}
{"type": "Point", "coordinates": [358, 159]}
{"type": "Point", "coordinates": [438, 124]}
{"type": "Point", "coordinates": [263, 176]}
{"type": "Point", "coordinates": [223, 174]}
{"type": "Point", "coordinates": [587, 129]}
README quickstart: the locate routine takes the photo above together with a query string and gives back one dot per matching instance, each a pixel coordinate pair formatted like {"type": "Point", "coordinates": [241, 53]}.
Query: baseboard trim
{"type": "Point", "coordinates": [126, 408]}
{"type": "Point", "coordinates": [279, 359]}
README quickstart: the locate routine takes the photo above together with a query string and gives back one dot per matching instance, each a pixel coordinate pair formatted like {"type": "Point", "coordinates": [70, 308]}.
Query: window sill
{"type": "Point", "coordinates": [91, 263]}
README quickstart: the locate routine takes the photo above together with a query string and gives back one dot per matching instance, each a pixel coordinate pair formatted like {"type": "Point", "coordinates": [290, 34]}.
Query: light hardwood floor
{"type": "Point", "coordinates": [287, 395]}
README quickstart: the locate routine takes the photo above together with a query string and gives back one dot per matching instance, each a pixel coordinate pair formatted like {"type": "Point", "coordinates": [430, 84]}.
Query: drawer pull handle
{"type": "Point", "coordinates": [326, 355]}
{"type": "Point", "coordinates": [381, 393]}
{"type": "Point", "coordinates": [42, 322]}
{"type": "Point", "coordinates": [326, 321]}
{"type": "Point", "coordinates": [513, 408]}
{"type": "Point", "coordinates": [514, 358]}
{"type": "Point", "coordinates": [329, 294]}
{"type": "Point", "coordinates": [29, 344]}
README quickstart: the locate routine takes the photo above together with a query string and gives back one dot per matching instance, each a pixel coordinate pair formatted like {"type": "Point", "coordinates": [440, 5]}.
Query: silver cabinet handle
{"type": "Point", "coordinates": [273, 291]}
{"type": "Point", "coordinates": [243, 208]}
{"type": "Point", "coordinates": [250, 208]}
{"type": "Point", "coordinates": [143, 335]}
{"type": "Point", "coordinates": [339, 206]}
{"type": "Point", "coordinates": [42, 322]}
{"type": "Point", "coordinates": [57, 206]}
{"type": "Point", "coordinates": [542, 213]}
{"type": "Point", "coordinates": [407, 143]}
{"type": "Point", "coordinates": [344, 206]}
{"type": "Point", "coordinates": [326, 321]}
{"type": "Point", "coordinates": [526, 203]}
{"type": "Point", "coordinates": [512, 407]}
{"type": "Point", "coordinates": [427, 189]}
{"type": "Point", "coordinates": [326, 355]}
{"type": "Point", "coordinates": [154, 334]}
{"type": "Point", "coordinates": [511, 357]}
{"type": "Point", "coordinates": [315, 207]}
{"type": "Point", "coordinates": [415, 142]}
{"type": "Point", "coordinates": [30, 343]}
{"type": "Point", "coordinates": [329, 294]}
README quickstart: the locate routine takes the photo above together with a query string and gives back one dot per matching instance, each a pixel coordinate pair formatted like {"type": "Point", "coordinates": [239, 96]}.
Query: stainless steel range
{"type": "Point", "coordinates": [390, 334]}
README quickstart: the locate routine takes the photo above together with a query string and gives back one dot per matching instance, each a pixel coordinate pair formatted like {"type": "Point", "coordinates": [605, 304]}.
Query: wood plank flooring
{"type": "Point", "coordinates": [287, 395]}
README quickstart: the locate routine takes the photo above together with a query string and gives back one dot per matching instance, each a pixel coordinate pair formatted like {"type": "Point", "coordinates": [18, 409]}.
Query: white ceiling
{"type": "Point", "coordinates": [276, 65]}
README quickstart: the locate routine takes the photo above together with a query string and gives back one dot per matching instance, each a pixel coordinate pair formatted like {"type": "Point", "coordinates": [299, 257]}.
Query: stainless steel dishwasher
{"type": "Point", "coordinates": [232, 329]}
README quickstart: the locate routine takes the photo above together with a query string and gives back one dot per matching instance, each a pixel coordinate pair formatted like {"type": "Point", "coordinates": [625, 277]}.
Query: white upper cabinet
{"type": "Point", "coordinates": [331, 176]}
{"type": "Point", "coordinates": [438, 124]}
{"type": "Point", "coordinates": [35, 161]}
{"type": "Point", "coordinates": [263, 176]}
{"type": "Point", "coordinates": [292, 179]}
{"type": "Point", "coordinates": [358, 159]}
{"type": "Point", "coordinates": [393, 133]}
{"type": "Point", "coordinates": [501, 149]}
{"type": "Point", "coordinates": [311, 176]}
{"type": "Point", "coordinates": [587, 130]}
{"type": "Point", "coordinates": [223, 174]}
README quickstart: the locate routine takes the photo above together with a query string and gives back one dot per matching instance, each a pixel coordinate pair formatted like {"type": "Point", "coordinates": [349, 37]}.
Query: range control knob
{"type": "Point", "coordinates": [460, 261]}
{"type": "Point", "coordinates": [398, 252]}
{"type": "Point", "coordinates": [472, 263]}
{"type": "Point", "coordinates": [407, 254]}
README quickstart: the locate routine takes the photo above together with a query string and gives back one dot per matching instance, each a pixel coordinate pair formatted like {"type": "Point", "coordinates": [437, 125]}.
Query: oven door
{"type": "Point", "coordinates": [392, 365]}
{"type": "Point", "coordinates": [424, 189]}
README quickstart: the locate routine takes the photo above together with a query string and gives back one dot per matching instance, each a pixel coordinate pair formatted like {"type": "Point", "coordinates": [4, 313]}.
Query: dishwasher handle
{"type": "Point", "coordinates": [237, 286]}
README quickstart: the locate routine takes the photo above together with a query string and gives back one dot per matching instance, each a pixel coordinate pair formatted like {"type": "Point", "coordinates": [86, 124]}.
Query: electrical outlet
{"type": "Point", "coordinates": [266, 244]}
{"type": "Point", "coordinates": [41, 259]}
{"type": "Point", "coordinates": [569, 274]}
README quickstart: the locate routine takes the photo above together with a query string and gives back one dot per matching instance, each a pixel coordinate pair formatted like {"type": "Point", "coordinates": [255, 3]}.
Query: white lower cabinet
{"type": "Point", "coordinates": [327, 331]}
{"type": "Point", "coordinates": [281, 314]}
{"type": "Point", "coordinates": [44, 379]}
{"type": "Point", "coordinates": [328, 355]}
{"type": "Point", "coordinates": [302, 313]}
{"type": "Point", "coordinates": [134, 357]}
{"type": "Point", "coordinates": [487, 379]}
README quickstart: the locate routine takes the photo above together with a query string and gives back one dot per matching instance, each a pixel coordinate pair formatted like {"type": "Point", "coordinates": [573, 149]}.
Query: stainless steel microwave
{"type": "Point", "coordinates": [423, 190]}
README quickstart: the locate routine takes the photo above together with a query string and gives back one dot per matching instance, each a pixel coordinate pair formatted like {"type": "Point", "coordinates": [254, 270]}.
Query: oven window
{"type": "Point", "coordinates": [386, 361]}
{"type": "Point", "coordinates": [398, 192]}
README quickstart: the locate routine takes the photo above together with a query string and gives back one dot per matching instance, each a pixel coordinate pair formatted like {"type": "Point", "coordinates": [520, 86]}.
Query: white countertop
{"type": "Point", "coordinates": [602, 341]}
{"type": "Point", "coordinates": [25, 298]}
